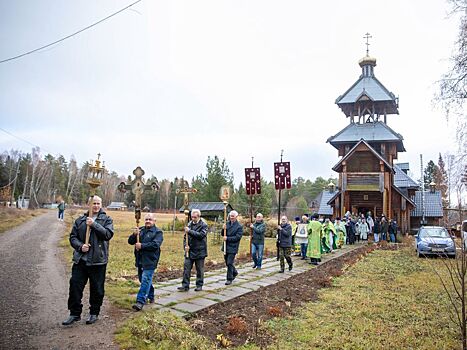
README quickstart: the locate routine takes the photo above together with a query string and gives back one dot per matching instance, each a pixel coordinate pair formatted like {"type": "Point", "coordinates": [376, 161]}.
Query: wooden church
{"type": "Point", "coordinates": [369, 148]}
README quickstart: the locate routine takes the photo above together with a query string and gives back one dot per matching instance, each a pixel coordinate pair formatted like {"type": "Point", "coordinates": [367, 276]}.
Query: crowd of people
{"type": "Point", "coordinates": [314, 235]}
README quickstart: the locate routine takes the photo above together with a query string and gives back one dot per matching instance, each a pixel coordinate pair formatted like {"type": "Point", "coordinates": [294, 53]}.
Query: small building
{"type": "Point", "coordinates": [209, 210]}
{"type": "Point", "coordinates": [429, 208]}
{"type": "Point", "coordinates": [117, 206]}
{"type": "Point", "coordinates": [320, 204]}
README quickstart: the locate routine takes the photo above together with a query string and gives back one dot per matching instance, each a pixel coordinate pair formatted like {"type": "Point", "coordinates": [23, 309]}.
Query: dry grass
{"type": "Point", "coordinates": [12, 217]}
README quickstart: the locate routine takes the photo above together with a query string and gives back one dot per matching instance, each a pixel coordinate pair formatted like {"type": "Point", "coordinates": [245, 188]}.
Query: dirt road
{"type": "Point", "coordinates": [34, 293]}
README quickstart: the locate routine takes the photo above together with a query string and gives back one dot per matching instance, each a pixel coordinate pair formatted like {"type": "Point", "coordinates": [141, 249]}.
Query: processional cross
{"type": "Point", "coordinates": [186, 191]}
{"type": "Point", "coordinates": [137, 187]}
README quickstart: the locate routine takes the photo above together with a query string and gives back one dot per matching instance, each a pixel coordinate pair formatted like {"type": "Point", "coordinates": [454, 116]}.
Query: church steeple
{"type": "Point", "coordinates": [368, 99]}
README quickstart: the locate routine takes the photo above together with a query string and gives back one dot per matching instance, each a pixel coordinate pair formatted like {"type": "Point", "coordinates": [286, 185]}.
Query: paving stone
{"type": "Point", "coordinates": [237, 289]}
{"type": "Point", "coordinates": [202, 302]}
{"type": "Point", "coordinates": [172, 298]}
{"type": "Point", "coordinates": [250, 285]}
{"type": "Point", "coordinates": [221, 297]}
{"type": "Point", "coordinates": [269, 280]}
{"type": "Point", "coordinates": [173, 311]}
{"type": "Point", "coordinates": [260, 283]}
{"type": "Point", "coordinates": [171, 288]}
{"type": "Point", "coordinates": [188, 307]}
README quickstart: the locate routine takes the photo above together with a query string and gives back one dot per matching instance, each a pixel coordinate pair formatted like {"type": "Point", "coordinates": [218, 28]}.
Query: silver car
{"type": "Point", "coordinates": [434, 240]}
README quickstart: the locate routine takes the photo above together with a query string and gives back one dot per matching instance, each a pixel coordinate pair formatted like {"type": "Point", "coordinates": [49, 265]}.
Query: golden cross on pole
{"type": "Point", "coordinates": [367, 37]}
{"type": "Point", "coordinates": [186, 191]}
{"type": "Point", "coordinates": [137, 187]}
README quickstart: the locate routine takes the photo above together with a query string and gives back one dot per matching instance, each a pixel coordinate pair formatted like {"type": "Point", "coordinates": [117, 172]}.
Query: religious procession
{"type": "Point", "coordinates": [364, 247]}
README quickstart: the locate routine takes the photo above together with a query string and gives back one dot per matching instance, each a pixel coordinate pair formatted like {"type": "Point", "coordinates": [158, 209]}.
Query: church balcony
{"type": "Point", "coordinates": [367, 181]}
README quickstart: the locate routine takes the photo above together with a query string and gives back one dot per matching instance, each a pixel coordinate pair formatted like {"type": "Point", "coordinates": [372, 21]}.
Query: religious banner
{"type": "Point", "coordinates": [252, 181]}
{"type": "Point", "coordinates": [282, 175]}
{"type": "Point", "coordinates": [224, 193]}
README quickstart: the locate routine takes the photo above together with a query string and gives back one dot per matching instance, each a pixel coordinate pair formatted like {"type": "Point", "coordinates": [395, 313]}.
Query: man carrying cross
{"type": "Point", "coordinates": [196, 250]}
{"type": "Point", "coordinates": [147, 253]}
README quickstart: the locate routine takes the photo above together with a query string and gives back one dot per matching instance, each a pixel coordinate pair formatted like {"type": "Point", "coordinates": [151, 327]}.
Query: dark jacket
{"type": "Point", "coordinates": [101, 233]}
{"type": "Point", "coordinates": [393, 228]}
{"type": "Point", "coordinates": [285, 236]}
{"type": "Point", "coordinates": [259, 228]}
{"type": "Point", "coordinates": [197, 240]}
{"type": "Point", "coordinates": [377, 227]}
{"type": "Point", "coordinates": [151, 240]}
{"type": "Point", "coordinates": [234, 235]}
{"type": "Point", "coordinates": [384, 227]}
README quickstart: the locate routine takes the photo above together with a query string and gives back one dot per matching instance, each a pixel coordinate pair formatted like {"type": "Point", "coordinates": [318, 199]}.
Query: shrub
{"type": "Point", "coordinates": [236, 325]}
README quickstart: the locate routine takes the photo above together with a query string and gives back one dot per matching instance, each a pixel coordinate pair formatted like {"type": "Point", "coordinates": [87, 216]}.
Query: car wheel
{"type": "Point", "coordinates": [420, 255]}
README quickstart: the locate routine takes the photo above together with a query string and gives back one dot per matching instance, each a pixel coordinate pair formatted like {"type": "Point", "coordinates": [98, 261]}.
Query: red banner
{"type": "Point", "coordinates": [282, 175]}
{"type": "Point", "coordinates": [252, 181]}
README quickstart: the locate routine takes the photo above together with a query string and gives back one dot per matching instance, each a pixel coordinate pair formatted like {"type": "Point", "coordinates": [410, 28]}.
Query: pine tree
{"type": "Point", "coordinates": [429, 173]}
{"type": "Point", "coordinates": [440, 178]}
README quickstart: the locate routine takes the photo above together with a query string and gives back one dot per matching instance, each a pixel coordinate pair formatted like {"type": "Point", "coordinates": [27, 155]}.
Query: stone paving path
{"type": "Point", "coordinates": [168, 298]}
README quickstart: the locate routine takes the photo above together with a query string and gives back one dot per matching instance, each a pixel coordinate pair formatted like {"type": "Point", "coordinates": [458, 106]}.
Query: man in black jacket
{"type": "Point", "coordinates": [196, 249]}
{"type": "Point", "coordinates": [89, 261]}
{"type": "Point", "coordinates": [147, 253]}
{"type": "Point", "coordinates": [233, 236]}
{"type": "Point", "coordinates": [284, 239]}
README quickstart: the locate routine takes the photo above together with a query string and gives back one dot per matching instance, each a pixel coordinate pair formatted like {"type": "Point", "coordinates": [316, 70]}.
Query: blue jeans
{"type": "Point", "coordinates": [60, 214]}
{"type": "Point", "coordinates": [376, 235]}
{"type": "Point", "coordinates": [392, 237]}
{"type": "Point", "coordinates": [303, 248]}
{"type": "Point", "coordinates": [146, 291]}
{"type": "Point", "coordinates": [257, 254]}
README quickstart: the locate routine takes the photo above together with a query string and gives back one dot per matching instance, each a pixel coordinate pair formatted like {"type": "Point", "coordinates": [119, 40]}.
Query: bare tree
{"type": "Point", "coordinates": [452, 92]}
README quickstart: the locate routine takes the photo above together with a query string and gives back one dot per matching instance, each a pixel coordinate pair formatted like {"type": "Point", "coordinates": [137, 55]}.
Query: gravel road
{"type": "Point", "coordinates": [34, 292]}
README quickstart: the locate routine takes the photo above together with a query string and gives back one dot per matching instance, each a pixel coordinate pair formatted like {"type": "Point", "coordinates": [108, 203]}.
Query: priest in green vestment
{"type": "Point", "coordinates": [328, 236]}
{"type": "Point", "coordinates": [341, 233]}
{"type": "Point", "coordinates": [314, 241]}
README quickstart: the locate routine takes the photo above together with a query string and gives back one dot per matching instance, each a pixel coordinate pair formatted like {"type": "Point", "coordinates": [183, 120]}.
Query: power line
{"type": "Point", "coordinates": [29, 143]}
{"type": "Point", "coordinates": [71, 35]}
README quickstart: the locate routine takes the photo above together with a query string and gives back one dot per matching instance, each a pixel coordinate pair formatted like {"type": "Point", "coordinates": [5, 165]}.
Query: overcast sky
{"type": "Point", "coordinates": [168, 83]}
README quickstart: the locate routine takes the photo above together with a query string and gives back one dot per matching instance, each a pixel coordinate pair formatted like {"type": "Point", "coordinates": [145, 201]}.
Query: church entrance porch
{"type": "Point", "coordinates": [361, 202]}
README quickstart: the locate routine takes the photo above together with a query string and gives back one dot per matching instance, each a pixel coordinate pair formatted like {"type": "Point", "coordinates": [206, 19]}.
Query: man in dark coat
{"type": "Point", "coordinates": [147, 253]}
{"type": "Point", "coordinates": [384, 228]}
{"type": "Point", "coordinates": [89, 261]}
{"type": "Point", "coordinates": [233, 236]}
{"type": "Point", "coordinates": [197, 250]}
{"type": "Point", "coordinates": [257, 241]}
{"type": "Point", "coordinates": [284, 238]}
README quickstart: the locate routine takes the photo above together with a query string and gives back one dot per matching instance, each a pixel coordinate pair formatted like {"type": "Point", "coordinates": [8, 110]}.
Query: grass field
{"type": "Point", "coordinates": [388, 300]}
{"type": "Point", "coordinates": [121, 272]}
{"type": "Point", "coordinates": [12, 217]}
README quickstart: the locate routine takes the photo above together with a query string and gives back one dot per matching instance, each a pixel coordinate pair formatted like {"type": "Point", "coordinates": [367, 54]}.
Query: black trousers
{"type": "Point", "coordinates": [80, 273]}
{"type": "Point", "coordinates": [284, 252]}
{"type": "Point", "coordinates": [231, 270]}
{"type": "Point", "coordinates": [187, 266]}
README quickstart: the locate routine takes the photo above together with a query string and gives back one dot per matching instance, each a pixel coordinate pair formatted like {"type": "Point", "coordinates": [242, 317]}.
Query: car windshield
{"type": "Point", "coordinates": [434, 232]}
